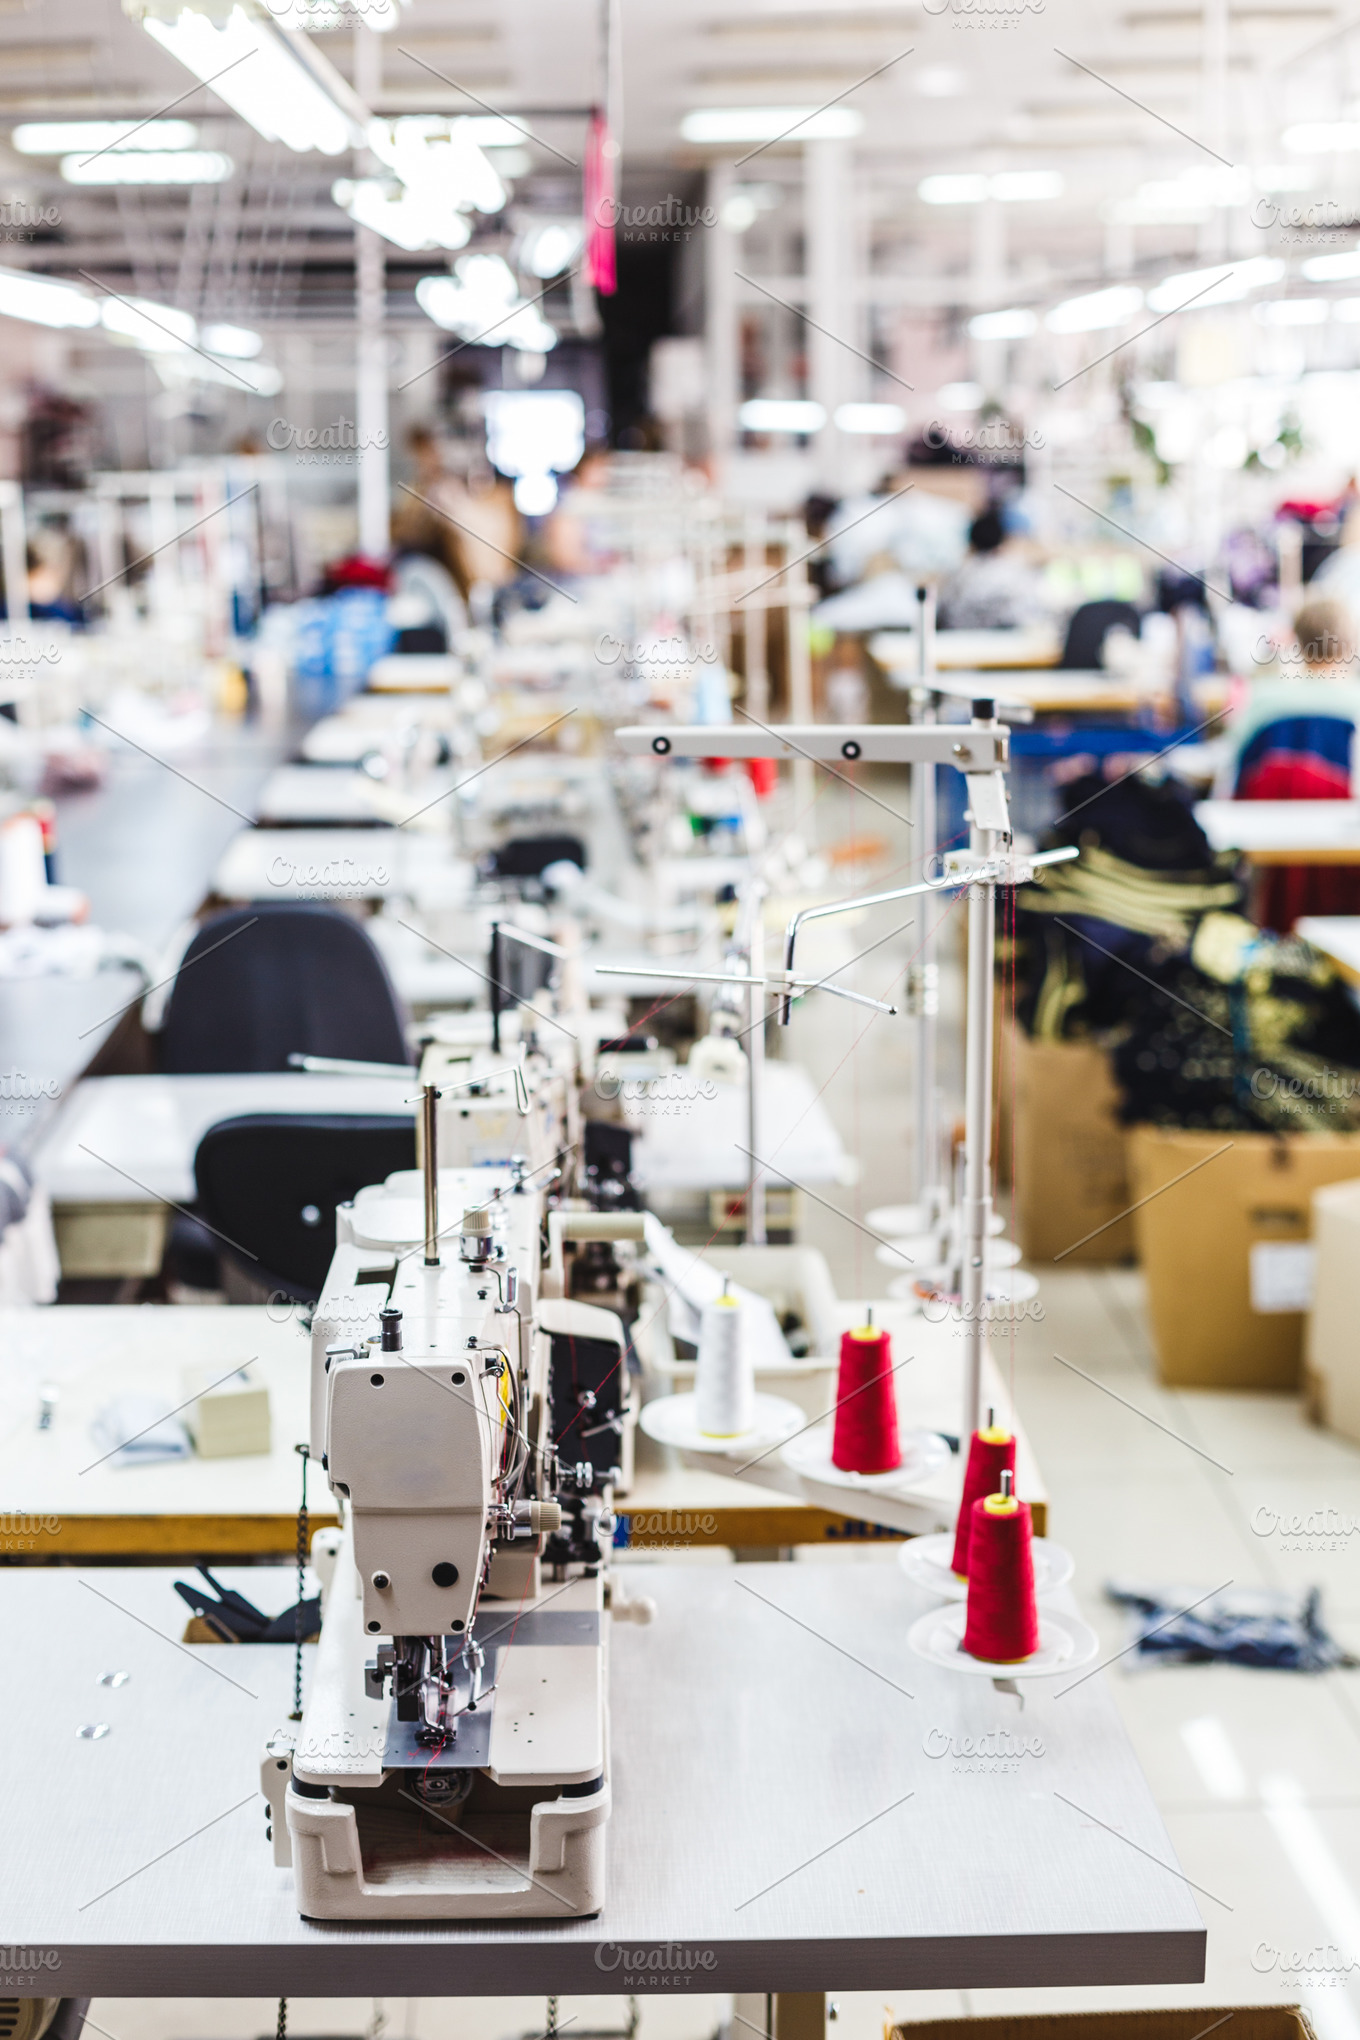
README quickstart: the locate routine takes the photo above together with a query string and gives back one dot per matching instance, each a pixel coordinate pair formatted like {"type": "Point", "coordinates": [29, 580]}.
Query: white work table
{"type": "Point", "coordinates": [132, 1140]}
{"type": "Point", "coordinates": [60, 1498]}
{"type": "Point", "coordinates": [1284, 831]}
{"type": "Point", "coordinates": [214, 1508]}
{"type": "Point", "coordinates": [696, 1147]}
{"type": "Point", "coordinates": [777, 1811]}
{"type": "Point", "coordinates": [1338, 937]}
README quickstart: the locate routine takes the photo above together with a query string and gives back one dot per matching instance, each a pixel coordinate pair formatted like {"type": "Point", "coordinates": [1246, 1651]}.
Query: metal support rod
{"type": "Point", "coordinates": [926, 971]}
{"type": "Point", "coordinates": [756, 634]}
{"type": "Point", "coordinates": [977, 1110]}
{"type": "Point", "coordinates": [494, 973]}
{"type": "Point", "coordinates": [755, 1073]}
{"type": "Point", "coordinates": [429, 1142]}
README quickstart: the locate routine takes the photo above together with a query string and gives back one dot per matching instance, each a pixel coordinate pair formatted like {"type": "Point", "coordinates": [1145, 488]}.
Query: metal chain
{"type": "Point", "coordinates": [298, 1618]}
{"type": "Point", "coordinates": [550, 2031]}
{"type": "Point", "coordinates": [281, 2028]}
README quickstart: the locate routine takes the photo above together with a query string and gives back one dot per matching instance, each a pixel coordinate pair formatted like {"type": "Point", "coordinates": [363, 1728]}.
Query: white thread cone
{"type": "Point", "coordinates": [724, 1376]}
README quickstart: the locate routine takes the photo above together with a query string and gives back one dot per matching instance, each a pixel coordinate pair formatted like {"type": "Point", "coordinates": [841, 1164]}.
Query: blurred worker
{"type": "Point", "coordinates": [471, 526]}
{"type": "Point", "coordinates": [996, 587]}
{"type": "Point", "coordinates": [1294, 738]}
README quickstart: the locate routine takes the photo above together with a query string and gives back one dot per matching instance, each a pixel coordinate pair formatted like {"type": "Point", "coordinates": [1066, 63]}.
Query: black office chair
{"type": "Point", "coordinates": [269, 1182]}
{"type": "Point", "coordinates": [530, 856]}
{"type": "Point", "coordinates": [261, 983]}
{"type": "Point", "coordinates": [1087, 629]}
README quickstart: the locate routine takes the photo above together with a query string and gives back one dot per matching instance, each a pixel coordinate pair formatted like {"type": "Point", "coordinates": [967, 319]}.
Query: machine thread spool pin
{"type": "Point", "coordinates": [429, 1137]}
{"type": "Point", "coordinates": [990, 1452]}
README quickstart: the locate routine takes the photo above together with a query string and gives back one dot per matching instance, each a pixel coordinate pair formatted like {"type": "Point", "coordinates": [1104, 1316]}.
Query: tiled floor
{"type": "Point", "coordinates": [1257, 1773]}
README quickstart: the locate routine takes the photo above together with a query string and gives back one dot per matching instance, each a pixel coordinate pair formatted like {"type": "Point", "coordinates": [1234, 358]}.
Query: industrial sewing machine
{"type": "Point", "coordinates": [453, 1756]}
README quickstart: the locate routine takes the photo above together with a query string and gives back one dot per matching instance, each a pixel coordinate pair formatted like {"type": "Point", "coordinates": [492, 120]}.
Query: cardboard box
{"type": "Point", "coordinates": [1332, 1338]}
{"type": "Point", "coordinates": [1070, 1169]}
{"type": "Point", "coordinates": [110, 1239]}
{"type": "Point", "coordinates": [1249, 2022]}
{"type": "Point", "coordinates": [227, 1419]}
{"type": "Point", "coordinates": [1227, 1312]}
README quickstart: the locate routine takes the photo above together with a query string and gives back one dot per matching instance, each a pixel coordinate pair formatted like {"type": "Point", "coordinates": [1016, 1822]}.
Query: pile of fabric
{"type": "Point", "coordinates": [1142, 944]}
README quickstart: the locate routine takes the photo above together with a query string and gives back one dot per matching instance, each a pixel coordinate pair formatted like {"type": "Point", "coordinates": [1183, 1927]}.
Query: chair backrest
{"type": "Point", "coordinates": [1087, 629]}
{"type": "Point", "coordinates": [261, 983]}
{"type": "Point", "coordinates": [269, 1182]}
{"type": "Point", "coordinates": [1297, 757]}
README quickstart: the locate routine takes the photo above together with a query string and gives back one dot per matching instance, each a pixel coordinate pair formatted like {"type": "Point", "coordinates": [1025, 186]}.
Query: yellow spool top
{"type": "Point", "coordinates": [730, 1301]}
{"type": "Point", "coordinates": [867, 1332]}
{"type": "Point", "coordinates": [994, 1435]}
{"type": "Point", "coordinates": [1001, 1505]}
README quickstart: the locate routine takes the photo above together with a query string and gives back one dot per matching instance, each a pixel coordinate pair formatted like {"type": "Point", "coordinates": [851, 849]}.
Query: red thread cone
{"type": "Point", "coordinates": [865, 1437]}
{"type": "Point", "coordinates": [1003, 1616]}
{"type": "Point", "coordinates": [989, 1453]}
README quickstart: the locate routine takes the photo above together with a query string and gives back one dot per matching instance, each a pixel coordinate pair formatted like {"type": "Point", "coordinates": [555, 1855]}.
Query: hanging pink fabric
{"type": "Point", "coordinates": [600, 269]}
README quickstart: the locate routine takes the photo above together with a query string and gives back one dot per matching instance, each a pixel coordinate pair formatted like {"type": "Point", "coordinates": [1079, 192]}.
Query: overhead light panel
{"type": "Point", "coordinates": [158, 329]}
{"type": "Point", "coordinates": [878, 420]}
{"type": "Point", "coordinates": [481, 301]}
{"type": "Point", "coordinates": [781, 414]}
{"type": "Point", "coordinates": [720, 124]}
{"type": "Point", "coordinates": [1333, 268]}
{"type": "Point", "coordinates": [408, 219]}
{"type": "Point", "coordinates": [1291, 312]}
{"type": "Point", "coordinates": [550, 246]}
{"type": "Point", "coordinates": [1222, 285]}
{"type": "Point", "coordinates": [148, 166]}
{"type": "Point", "coordinates": [278, 84]}
{"type": "Point", "coordinates": [240, 342]}
{"type": "Point", "coordinates": [1096, 311]}
{"type": "Point", "coordinates": [63, 137]}
{"type": "Point", "coordinates": [44, 302]}
{"type": "Point", "coordinates": [970, 187]}
{"type": "Point", "coordinates": [437, 157]}
{"type": "Point", "coordinates": [1322, 137]}
{"type": "Point", "coordinates": [1013, 324]}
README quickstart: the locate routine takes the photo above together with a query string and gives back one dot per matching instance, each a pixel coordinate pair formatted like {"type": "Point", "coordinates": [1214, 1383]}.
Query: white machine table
{"type": "Point", "coordinates": [781, 1815]}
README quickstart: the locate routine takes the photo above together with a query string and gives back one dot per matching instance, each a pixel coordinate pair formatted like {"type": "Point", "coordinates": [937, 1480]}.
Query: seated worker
{"type": "Point", "coordinates": [1293, 738]}
{"type": "Point", "coordinates": [995, 587]}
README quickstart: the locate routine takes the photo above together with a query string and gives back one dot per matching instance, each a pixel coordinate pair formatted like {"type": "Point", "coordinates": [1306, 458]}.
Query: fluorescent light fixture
{"type": "Point", "coordinates": [535, 495]}
{"type": "Point", "coordinates": [493, 131]}
{"type": "Point", "coordinates": [62, 137]}
{"type": "Point", "coordinates": [881, 419]}
{"type": "Point", "coordinates": [149, 166]}
{"type": "Point", "coordinates": [159, 329]}
{"type": "Point", "coordinates": [970, 187]}
{"type": "Point", "coordinates": [1322, 137]}
{"type": "Point", "coordinates": [1332, 268]}
{"type": "Point", "coordinates": [939, 81]}
{"type": "Point", "coordinates": [45, 302]}
{"type": "Point", "coordinates": [265, 80]}
{"type": "Point", "coordinates": [181, 370]}
{"type": "Point", "coordinates": [953, 188]}
{"type": "Point", "coordinates": [1284, 177]}
{"type": "Point", "coordinates": [1235, 280]}
{"type": "Point", "coordinates": [481, 301]}
{"type": "Point", "coordinates": [960, 396]}
{"type": "Point", "coordinates": [1025, 187]}
{"type": "Point", "coordinates": [435, 157]}
{"type": "Point", "coordinates": [780, 414]}
{"type": "Point", "coordinates": [405, 218]}
{"type": "Point", "coordinates": [1347, 309]}
{"type": "Point", "coordinates": [1014, 324]}
{"type": "Point", "coordinates": [1095, 312]}
{"type": "Point", "coordinates": [1291, 312]}
{"type": "Point", "coordinates": [239, 342]}
{"type": "Point", "coordinates": [530, 434]}
{"type": "Point", "coordinates": [718, 124]}
{"type": "Point", "coordinates": [550, 246]}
